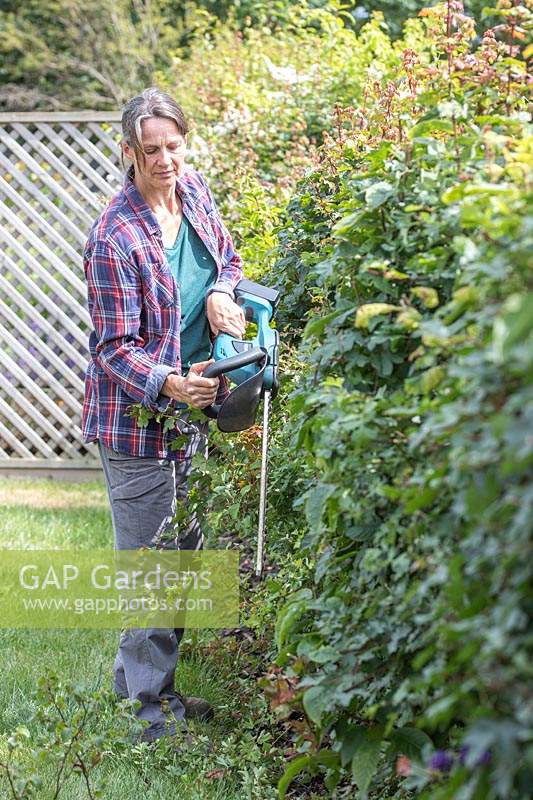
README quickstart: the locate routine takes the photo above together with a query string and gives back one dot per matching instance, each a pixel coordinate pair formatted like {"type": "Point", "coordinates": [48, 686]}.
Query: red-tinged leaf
{"type": "Point", "coordinates": [215, 774]}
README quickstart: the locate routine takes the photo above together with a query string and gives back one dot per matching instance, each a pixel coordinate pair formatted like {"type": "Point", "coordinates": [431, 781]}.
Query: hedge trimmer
{"type": "Point", "coordinates": [252, 365]}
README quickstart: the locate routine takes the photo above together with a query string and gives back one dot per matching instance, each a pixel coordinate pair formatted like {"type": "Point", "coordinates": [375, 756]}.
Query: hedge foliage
{"type": "Point", "coordinates": [63, 54]}
{"type": "Point", "coordinates": [60, 54]}
{"type": "Point", "coordinates": [408, 253]}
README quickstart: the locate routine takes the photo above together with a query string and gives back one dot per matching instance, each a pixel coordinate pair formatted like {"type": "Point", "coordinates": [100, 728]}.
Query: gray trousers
{"type": "Point", "coordinates": [144, 493]}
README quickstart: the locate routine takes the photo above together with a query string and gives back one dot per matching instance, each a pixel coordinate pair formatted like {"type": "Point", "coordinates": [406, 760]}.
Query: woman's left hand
{"type": "Point", "coordinates": [224, 315]}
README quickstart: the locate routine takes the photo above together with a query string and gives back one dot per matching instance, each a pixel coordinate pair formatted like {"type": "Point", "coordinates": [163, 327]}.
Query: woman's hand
{"type": "Point", "coordinates": [194, 390]}
{"type": "Point", "coordinates": [225, 315]}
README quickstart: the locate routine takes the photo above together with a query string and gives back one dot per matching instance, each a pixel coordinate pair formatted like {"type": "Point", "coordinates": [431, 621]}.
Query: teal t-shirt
{"type": "Point", "coordinates": [195, 271]}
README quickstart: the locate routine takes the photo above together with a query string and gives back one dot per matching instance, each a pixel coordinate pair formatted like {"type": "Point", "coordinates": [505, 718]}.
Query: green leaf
{"type": "Point", "coordinates": [368, 311]}
{"type": "Point", "coordinates": [345, 224]}
{"type": "Point", "coordinates": [517, 322]}
{"type": "Point", "coordinates": [179, 442]}
{"type": "Point", "coordinates": [427, 296]}
{"type": "Point", "coordinates": [430, 125]}
{"type": "Point", "coordinates": [332, 780]}
{"type": "Point", "coordinates": [409, 319]}
{"type": "Point", "coordinates": [325, 758]}
{"type": "Point", "coordinates": [422, 498]}
{"type": "Point", "coordinates": [308, 643]}
{"type": "Point", "coordinates": [365, 759]}
{"type": "Point", "coordinates": [294, 768]}
{"type": "Point", "coordinates": [328, 758]}
{"type": "Point", "coordinates": [315, 502]}
{"type": "Point", "coordinates": [316, 702]}
{"type": "Point", "coordinates": [431, 379]}
{"type": "Point", "coordinates": [442, 710]}
{"type": "Point", "coordinates": [409, 741]}
{"type": "Point", "coordinates": [378, 194]}
{"type": "Point", "coordinates": [317, 326]}
{"type": "Point", "coordinates": [323, 655]}
{"type": "Point", "coordinates": [351, 737]}
{"type": "Point", "coordinates": [169, 424]}
{"type": "Point", "coordinates": [290, 614]}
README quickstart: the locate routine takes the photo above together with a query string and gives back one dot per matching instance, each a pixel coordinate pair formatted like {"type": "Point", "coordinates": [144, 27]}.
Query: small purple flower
{"type": "Point", "coordinates": [484, 759]}
{"type": "Point", "coordinates": [481, 761]}
{"type": "Point", "coordinates": [441, 760]}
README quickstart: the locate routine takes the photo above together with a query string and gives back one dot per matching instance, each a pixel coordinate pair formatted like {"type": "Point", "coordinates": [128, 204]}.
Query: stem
{"type": "Point", "coordinates": [456, 145]}
{"type": "Point", "coordinates": [70, 747]}
{"type": "Point", "coordinates": [383, 223]}
{"type": "Point", "coordinates": [67, 751]}
{"type": "Point", "coordinates": [7, 768]}
{"type": "Point", "coordinates": [511, 41]}
{"type": "Point", "coordinates": [60, 772]}
{"type": "Point", "coordinates": [448, 44]}
{"type": "Point", "coordinates": [86, 776]}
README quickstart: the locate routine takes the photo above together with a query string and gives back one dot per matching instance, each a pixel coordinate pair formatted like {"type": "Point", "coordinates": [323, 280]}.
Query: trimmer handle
{"type": "Point", "coordinates": [252, 356]}
{"type": "Point", "coordinates": [234, 362]}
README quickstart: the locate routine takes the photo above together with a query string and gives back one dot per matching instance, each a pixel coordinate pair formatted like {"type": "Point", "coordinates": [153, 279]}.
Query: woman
{"type": "Point", "coordinates": [160, 269]}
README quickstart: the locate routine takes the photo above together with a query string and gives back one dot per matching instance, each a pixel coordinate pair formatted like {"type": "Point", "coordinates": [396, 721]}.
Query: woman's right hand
{"type": "Point", "coordinates": [192, 389]}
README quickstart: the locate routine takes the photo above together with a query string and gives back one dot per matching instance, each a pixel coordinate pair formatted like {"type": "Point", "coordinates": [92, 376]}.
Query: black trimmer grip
{"type": "Point", "coordinates": [234, 362]}
{"type": "Point", "coordinates": [251, 356]}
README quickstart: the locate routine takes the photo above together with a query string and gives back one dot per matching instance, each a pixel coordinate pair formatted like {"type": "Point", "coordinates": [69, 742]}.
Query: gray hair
{"type": "Point", "coordinates": [151, 102]}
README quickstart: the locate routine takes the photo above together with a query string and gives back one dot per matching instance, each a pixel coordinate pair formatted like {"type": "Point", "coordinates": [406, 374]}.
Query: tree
{"type": "Point", "coordinates": [82, 53]}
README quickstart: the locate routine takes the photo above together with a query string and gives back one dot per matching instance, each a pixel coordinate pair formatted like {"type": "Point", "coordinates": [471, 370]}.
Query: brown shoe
{"type": "Point", "coordinates": [197, 708]}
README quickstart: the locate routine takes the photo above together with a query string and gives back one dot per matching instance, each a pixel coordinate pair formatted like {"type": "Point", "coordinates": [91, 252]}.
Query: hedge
{"type": "Point", "coordinates": [407, 254]}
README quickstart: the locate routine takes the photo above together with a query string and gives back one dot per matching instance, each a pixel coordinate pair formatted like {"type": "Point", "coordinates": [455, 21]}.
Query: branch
{"type": "Point", "coordinates": [95, 73]}
{"type": "Point", "coordinates": [9, 778]}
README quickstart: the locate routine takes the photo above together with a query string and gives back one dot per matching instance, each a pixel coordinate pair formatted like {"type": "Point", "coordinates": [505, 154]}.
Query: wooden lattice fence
{"type": "Point", "coordinates": [56, 172]}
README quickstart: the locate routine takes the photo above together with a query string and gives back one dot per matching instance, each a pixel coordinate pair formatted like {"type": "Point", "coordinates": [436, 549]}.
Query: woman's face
{"type": "Point", "coordinates": [164, 148]}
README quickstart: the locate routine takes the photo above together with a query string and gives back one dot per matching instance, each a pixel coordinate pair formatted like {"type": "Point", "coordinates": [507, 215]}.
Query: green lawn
{"type": "Point", "coordinates": [227, 760]}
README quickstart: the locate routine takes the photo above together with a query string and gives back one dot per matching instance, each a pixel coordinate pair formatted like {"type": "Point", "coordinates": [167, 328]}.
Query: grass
{"type": "Point", "coordinates": [227, 762]}
{"type": "Point", "coordinates": [46, 515]}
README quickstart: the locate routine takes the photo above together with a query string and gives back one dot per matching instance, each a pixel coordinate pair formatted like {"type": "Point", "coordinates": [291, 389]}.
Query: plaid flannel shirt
{"type": "Point", "coordinates": [134, 303]}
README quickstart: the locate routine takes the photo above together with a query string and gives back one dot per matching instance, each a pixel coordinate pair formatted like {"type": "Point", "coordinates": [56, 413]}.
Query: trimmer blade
{"type": "Point", "coordinates": [263, 486]}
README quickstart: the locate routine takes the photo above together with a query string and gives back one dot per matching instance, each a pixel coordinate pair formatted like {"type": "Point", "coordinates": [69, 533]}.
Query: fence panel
{"type": "Point", "coordinates": [57, 171]}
